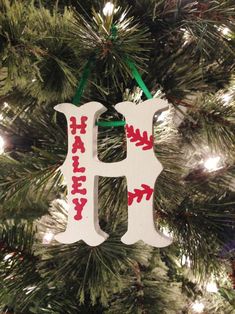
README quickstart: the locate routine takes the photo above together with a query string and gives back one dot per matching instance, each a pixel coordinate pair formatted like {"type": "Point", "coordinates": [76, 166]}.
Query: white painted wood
{"type": "Point", "coordinates": [141, 168]}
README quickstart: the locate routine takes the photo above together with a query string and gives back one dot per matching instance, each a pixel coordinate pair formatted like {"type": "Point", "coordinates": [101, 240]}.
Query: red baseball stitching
{"type": "Point", "coordinates": [140, 193]}
{"type": "Point", "coordinates": [141, 140]}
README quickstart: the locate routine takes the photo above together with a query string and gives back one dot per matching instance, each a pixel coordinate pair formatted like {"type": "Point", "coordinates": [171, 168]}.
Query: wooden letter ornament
{"type": "Point", "coordinates": [82, 168]}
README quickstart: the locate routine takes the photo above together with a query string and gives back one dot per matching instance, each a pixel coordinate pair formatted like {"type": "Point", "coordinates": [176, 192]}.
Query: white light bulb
{"type": "Point", "coordinates": [48, 237]}
{"type": "Point", "coordinates": [167, 232]}
{"type": "Point", "coordinates": [2, 143]}
{"type": "Point", "coordinates": [225, 31]}
{"type": "Point", "coordinates": [8, 256]}
{"type": "Point", "coordinates": [212, 163]}
{"type": "Point", "coordinates": [211, 287]}
{"type": "Point", "coordinates": [185, 261]}
{"type": "Point", "coordinates": [29, 289]}
{"type": "Point", "coordinates": [122, 17]}
{"type": "Point", "coordinates": [63, 203]}
{"type": "Point", "coordinates": [226, 98]}
{"type": "Point", "coordinates": [162, 116]}
{"type": "Point", "coordinates": [186, 35]}
{"type": "Point", "coordinates": [198, 307]}
{"type": "Point", "coordinates": [108, 9]}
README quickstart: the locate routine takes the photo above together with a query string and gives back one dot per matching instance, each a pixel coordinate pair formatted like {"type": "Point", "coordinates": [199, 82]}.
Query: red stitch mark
{"type": "Point", "coordinates": [141, 140]}
{"type": "Point", "coordinates": [139, 194]}
{"type": "Point", "coordinates": [79, 205]}
{"type": "Point", "coordinates": [82, 126]}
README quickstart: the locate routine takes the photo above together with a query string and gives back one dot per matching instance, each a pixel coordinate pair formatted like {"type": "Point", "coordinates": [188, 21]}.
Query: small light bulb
{"type": "Point", "coordinates": [2, 143]}
{"type": "Point", "coordinates": [186, 35]}
{"type": "Point", "coordinates": [122, 17]}
{"type": "Point", "coordinates": [185, 261]}
{"type": "Point", "coordinates": [198, 307]}
{"type": "Point", "coordinates": [225, 31]}
{"type": "Point", "coordinates": [63, 203]}
{"type": "Point", "coordinates": [162, 116]}
{"type": "Point", "coordinates": [226, 98]}
{"type": "Point", "coordinates": [212, 163]}
{"type": "Point", "coordinates": [48, 237]}
{"type": "Point", "coordinates": [29, 289]}
{"type": "Point", "coordinates": [167, 232]}
{"type": "Point", "coordinates": [211, 287]}
{"type": "Point", "coordinates": [8, 256]}
{"type": "Point", "coordinates": [108, 9]}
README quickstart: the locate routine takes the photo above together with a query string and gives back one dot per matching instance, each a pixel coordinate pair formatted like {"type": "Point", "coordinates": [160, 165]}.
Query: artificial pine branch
{"type": "Point", "coordinates": [17, 262]}
{"type": "Point", "coordinates": [43, 51]}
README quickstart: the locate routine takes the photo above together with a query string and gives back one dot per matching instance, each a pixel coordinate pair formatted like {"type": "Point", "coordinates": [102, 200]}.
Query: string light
{"type": "Point", "coordinates": [29, 289]}
{"type": "Point", "coordinates": [108, 9]}
{"type": "Point", "coordinates": [211, 287]}
{"type": "Point", "coordinates": [162, 116]}
{"type": "Point", "coordinates": [122, 17]}
{"type": "Point", "coordinates": [8, 256]}
{"type": "Point", "coordinates": [186, 35]}
{"type": "Point", "coordinates": [225, 31]}
{"type": "Point", "coordinates": [2, 143]}
{"type": "Point", "coordinates": [213, 163]}
{"type": "Point", "coordinates": [185, 261]}
{"type": "Point", "coordinates": [226, 98]}
{"type": "Point", "coordinates": [198, 307]}
{"type": "Point", "coordinates": [63, 203]}
{"type": "Point", "coordinates": [167, 232]}
{"type": "Point", "coordinates": [48, 237]}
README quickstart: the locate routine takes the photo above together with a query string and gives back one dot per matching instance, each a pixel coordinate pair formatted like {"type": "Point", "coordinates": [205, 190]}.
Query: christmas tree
{"type": "Point", "coordinates": [109, 52]}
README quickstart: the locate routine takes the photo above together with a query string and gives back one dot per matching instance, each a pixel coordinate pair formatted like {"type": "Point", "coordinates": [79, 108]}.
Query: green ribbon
{"type": "Point", "coordinates": [83, 82]}
{"type": "Point", "coordinates": [138, 78]}
{"type": "Point", "coordinates": [84, 79]}
{"type": "Point", "coordinates": [141, 84]}
{"type": "Point", "coordinates": [107, 124]}
{"type": "Point", "coordinates": [114, 31]}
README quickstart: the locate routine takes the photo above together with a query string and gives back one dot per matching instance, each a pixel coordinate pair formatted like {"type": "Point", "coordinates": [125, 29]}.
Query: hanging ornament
{"type": "Point", "coordinates": [82, 168]}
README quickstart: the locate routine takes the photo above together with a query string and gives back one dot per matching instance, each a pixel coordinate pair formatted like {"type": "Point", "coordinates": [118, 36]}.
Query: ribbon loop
{"type": "Point", "coordinates": [138, 78]}
{"type": "Point", "coordinates": [86, 72]}
{"type": "Point", "coordinates": [84, 79]}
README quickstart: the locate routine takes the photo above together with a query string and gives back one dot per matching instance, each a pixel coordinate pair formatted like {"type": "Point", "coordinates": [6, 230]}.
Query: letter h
{"type": "Point", "coordinates": [141, 169]}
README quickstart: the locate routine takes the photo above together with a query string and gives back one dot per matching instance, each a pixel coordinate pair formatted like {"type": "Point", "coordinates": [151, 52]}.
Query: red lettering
{"type": "Point", "coordinates": [78, 144]}
{"type": "Point", "coordinates": [76, 165]}
{"type": "Point", "coordinates": [82, 126]}
{"type": "Point", "coordinates": [79, 205]}
{"type": "Point", "coordinates": [76, 185]}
